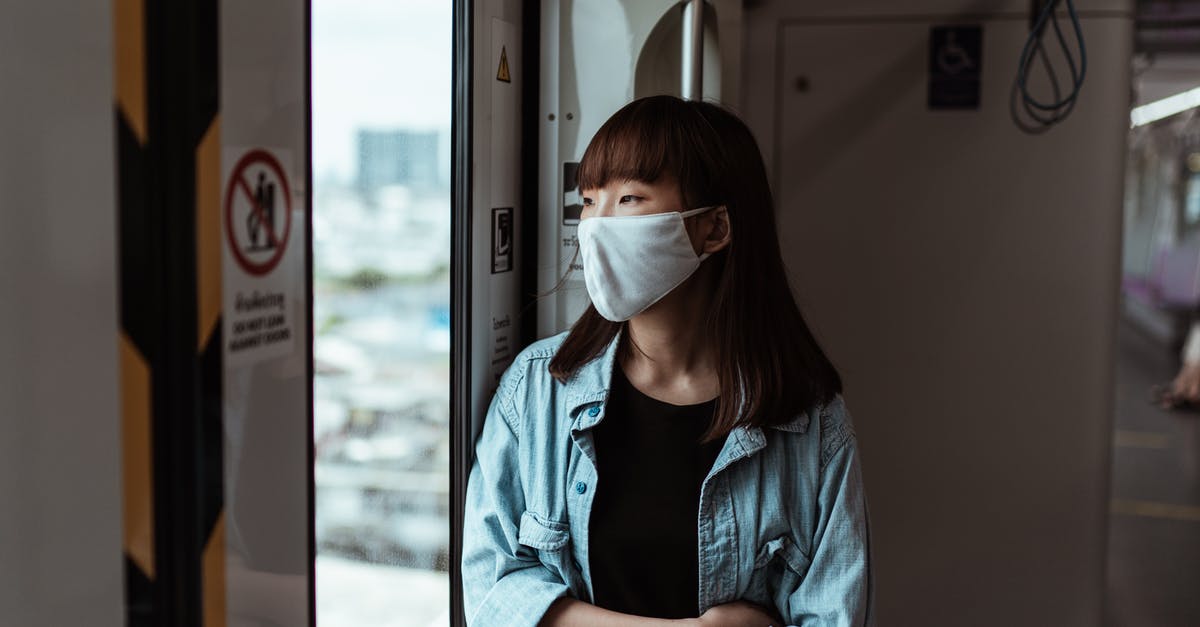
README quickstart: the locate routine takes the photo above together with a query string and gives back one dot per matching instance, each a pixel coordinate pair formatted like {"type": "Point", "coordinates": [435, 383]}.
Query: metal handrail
{"type": "Point", "coordinates": [692, 87]}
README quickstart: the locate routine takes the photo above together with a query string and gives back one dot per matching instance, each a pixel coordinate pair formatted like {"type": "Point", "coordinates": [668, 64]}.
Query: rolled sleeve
{"type": "Point", "coordinates": [504, 582]}
{"type": "Point", "coordinates": [1191, 347]}
{"type": "Point", "coordinates": [838, 587]}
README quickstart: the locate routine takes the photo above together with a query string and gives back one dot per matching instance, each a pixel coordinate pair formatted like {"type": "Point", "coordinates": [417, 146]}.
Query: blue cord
{"type": "Point", "coordinates": [1047, 114]}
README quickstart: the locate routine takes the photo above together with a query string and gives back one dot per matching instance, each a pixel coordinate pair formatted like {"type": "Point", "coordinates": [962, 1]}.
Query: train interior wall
{"type": "Point", "coordinates": [964, 276]}
{"type": "Point", "coordinates": [60, 419]}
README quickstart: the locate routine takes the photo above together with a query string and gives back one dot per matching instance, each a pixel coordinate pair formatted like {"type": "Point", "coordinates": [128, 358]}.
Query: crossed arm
{"type": "Point", "coordinates": [505, 582]}
{"type": "Point", "coordinates": [569, 612]}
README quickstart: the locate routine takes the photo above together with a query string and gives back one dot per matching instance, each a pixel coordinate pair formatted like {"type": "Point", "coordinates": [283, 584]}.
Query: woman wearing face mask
{"type": "Point", "coordinates": [682, 455]}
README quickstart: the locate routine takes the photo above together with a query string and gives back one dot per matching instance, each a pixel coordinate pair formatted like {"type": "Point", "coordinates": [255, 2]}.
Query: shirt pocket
{"type": "Point", "coordinates": [779, 567]}
{"type": "Point", "coordinates": [551, 540]}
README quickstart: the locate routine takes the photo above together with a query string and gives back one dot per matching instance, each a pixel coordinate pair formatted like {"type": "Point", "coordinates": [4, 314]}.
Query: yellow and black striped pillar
{"type": "Point", "coordinates": [168, 169]}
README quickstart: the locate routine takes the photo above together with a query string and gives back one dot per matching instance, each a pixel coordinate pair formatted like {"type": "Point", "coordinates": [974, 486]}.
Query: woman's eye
{"type": "Point", "coordinates": [587, 202]}
{"type": "Point", "coordinates": [629, 198]}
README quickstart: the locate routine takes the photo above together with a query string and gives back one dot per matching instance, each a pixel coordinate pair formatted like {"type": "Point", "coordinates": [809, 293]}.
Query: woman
{"type": "Point", "coordinates": [681, 455]}
{"type": "Point", "coordinates": [1183, 392]}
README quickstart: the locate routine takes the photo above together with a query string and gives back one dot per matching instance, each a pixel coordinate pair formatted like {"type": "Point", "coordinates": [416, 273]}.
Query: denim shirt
{"type": "Point", "coordinates": [782, 519]}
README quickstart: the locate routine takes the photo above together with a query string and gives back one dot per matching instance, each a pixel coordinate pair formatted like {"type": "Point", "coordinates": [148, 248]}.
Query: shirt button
{"type": "Point", "coordinates": [594, 411]}
{"type": "Point", "coordinates": [580, 487]}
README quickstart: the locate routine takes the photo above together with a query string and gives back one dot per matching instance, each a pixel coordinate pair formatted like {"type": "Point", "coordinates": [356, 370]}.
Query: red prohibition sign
{"type": "Point", "coordinates": [237, 181]}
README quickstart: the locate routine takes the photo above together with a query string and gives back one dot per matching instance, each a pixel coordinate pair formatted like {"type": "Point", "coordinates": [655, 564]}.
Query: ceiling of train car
{"type": "Point", "coordinates": [1167, 49]}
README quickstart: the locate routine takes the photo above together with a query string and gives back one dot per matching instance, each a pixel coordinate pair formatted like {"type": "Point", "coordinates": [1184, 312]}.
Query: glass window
{"type": "Point", "coordinates": [381, 256]}
{"type": "Point", "coordinates": [1191, 202]}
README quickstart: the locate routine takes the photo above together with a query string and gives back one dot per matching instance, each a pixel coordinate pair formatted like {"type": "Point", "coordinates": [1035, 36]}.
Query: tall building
{"type": "Point", "coordinates": [397, 157]}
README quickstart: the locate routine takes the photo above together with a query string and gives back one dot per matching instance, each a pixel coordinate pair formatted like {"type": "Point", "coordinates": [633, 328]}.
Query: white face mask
{"type": "Point", "coordinates": [631, 262]}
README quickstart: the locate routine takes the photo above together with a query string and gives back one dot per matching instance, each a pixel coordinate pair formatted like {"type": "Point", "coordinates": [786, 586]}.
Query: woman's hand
{"type": "Point", "coordinates": [1182, 391]}
{"type": "Point", "coordinates": [1186, 385]}
{"type": "Point", "coordinates": [738, 614]}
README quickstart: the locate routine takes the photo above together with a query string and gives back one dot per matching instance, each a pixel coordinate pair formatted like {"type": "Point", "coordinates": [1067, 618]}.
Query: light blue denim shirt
{"type": "Point", "coordinates": [782, 520]}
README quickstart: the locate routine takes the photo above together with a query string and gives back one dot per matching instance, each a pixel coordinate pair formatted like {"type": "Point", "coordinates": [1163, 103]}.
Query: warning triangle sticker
{"type": "Point", "coordinates": [502, 72]}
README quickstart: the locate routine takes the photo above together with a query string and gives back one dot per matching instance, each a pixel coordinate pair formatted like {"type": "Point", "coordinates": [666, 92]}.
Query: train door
{"type": "Point", "coordinates": [960, 268]}
{"type": "Point", "coordinates": [368, 201]}
{"type": "Point", "coordinates": [211, 112]}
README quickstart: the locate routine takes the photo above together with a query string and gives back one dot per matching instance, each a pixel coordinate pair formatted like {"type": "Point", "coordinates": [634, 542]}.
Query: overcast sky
{"type": "Point", "coordinates": [376, 64]}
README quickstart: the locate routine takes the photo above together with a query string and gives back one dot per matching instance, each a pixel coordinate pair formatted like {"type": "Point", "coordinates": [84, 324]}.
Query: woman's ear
{"type": "Point", "coordinates": [720, 233]}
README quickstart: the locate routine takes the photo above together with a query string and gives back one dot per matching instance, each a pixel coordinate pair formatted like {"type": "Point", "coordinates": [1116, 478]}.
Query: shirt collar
{"type": "Point", "coordinates": [589, 387]}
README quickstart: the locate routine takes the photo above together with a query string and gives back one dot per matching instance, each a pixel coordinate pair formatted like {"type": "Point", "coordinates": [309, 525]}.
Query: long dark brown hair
{"type": "Point", "coordinates": [769, 365]}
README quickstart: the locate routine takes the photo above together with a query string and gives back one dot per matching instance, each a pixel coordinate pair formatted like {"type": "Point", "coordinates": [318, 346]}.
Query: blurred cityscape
{"type": "Point", "coordinates": [381, 257]}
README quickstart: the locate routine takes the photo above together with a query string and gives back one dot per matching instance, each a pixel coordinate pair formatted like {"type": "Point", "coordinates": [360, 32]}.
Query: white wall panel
{"type": "Point", "coordinates": [60, 426]}
{"type": "Point", "coordinates": [963, 277]}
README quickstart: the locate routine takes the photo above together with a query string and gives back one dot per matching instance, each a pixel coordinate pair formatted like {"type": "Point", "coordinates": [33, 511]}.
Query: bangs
{"type": "Point", "coordinates": [641, 142]}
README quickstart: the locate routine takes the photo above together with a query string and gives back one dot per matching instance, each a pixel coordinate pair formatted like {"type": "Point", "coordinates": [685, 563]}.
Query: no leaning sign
{"type": "Point", "coordinates": [259, 320]}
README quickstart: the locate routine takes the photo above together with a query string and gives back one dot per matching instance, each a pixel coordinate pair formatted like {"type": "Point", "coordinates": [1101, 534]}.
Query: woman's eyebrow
{"type": "Point", "coordinates": [641, 186]}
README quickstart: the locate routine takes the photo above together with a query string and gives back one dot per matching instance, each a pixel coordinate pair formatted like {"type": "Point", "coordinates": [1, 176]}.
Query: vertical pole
{"type": "Point", "coordinates": [693, 49]}
{"type": "Point", "coordinates": [461, 436]}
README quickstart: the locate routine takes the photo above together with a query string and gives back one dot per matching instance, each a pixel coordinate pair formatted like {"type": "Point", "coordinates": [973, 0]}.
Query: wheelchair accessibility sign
{"type": "Point", "coordinates": [259, 309]}
{"type": "Point", "coordinates": [955, 63]}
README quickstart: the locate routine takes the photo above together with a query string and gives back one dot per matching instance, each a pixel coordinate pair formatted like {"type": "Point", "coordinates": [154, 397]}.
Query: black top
{"type": "Point", "coordinates": [642, 537]}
